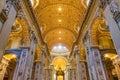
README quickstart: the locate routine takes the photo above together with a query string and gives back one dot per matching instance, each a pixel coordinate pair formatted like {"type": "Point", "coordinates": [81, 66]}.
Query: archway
{"type": "Point", "coordinates": [60, 64]}
{"type": "Point", "coordinates": [7, 66]}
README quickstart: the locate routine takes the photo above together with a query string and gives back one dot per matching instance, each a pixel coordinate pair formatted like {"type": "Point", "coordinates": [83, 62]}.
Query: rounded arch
{"type": "Point", "coordinates": [59, 36]}
{"type": "Point", "coordinates": [10, 56]}
{"type": "Point", "coordinates": [8, 65]}
{"type": "Point", "coordinates": [59, 62]}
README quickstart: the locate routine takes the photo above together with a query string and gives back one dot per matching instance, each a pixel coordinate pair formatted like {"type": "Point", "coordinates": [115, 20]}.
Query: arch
{"type": "Point", "coordinates": [59, 62]}
{"type": "Point", "coordinates": [10, 56]}
{"type": "Point", "coordinates": [53, 36]}
{"type": "Point", "coordinates": [8, 64]}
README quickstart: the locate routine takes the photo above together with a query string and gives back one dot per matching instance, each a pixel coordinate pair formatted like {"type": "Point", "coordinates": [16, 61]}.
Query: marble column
{"type": "Point", "coordinates": [52, 72]}
{"type": "Point", "coordinates": [48, 74]}
{"type": "Point", "coordinates": [21, 66]}
{"type": "Point", "coordinates": [38, 71]}
{"type": "Point", "coordinates": [97, 71]}
{"type": "Point", "coordinates": [116, 63]}
{"type": "Point", "coordinates": [82, 71]}
{"type": "Point", "coordinates": [80, 67]}
{"type": "Point", "coordinates": [72, 74]}
{"type": "Point", "coordinates": [3, 67]}
{"type": "Point", "coordinates": [6, 27]}
{"type": "Point", "coordinates": [39, 68]}
{"type": "Point", "coordinates": [69, 74]}
{"type": "Point", "coordinates": [30, 60]}
{"type": "Point", "coordinates": [43, 62]}
{"type": "Point", "coordinates": [77, 63]}
{"type": "Point", "coordinates": [47, 70]}
{"type": "Point", "coordinates": [113, 27]}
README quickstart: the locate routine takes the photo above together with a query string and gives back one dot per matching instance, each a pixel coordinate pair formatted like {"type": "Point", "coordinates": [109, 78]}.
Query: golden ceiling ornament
{"type": "Point", "coordinates": [59, 36]}
{"type": "Point", "coordinates": [65, 15]}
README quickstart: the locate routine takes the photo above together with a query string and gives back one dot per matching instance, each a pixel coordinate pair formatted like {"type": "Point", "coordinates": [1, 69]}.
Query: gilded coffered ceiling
{"type": "Point", "coordinates": [60, 20]}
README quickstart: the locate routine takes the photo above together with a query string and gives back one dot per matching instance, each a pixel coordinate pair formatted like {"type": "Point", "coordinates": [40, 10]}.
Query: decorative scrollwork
{"type": "Point", "coordinates": [114, 8]}
{"type": "Point", "coordinates": [7, 7]}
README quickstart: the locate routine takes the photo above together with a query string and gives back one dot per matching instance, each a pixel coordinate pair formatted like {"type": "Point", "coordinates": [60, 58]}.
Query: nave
{"type": "Point", "coordinates": [59, 39]}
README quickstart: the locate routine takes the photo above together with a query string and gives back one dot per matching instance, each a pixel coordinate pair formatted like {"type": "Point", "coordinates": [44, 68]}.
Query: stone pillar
{"type": "Point", "coordinates": [67, 72]}
{"type": "Point", "coordinates": [80, 67]}
{"type": "Point", "coordinates": [95, 64]}
{"type": "Point", "coordinates": [47, 70]}
{"type": "Point", "coordinates": [69, 78]}
{"type": "Point", "coordinates": [48, 74]}
{"type": "Point", "coordinates": [21, 66]}
{"type": "Point", "coordinates": [72, 74]}
{"type": "Point", "coordinates": [29, 65]}
{"type": "Point", "coordinates": [27, 59]}
{"type": "Point", "coordinates": [39, 69]}
{"type": "Point", "coordinates": [116, 63]}
{"type": "Point", "coordinates": [3, 67]}
{"type": "Point", "coordinates": [82, 71]}
{"type": "Point", "coordinates": [6, 27]}
{"type": "Point", "coordinates": [113, 27]}
{"type": "Point", "coordinates": [77, 63]}
{"type": "Point", "coordinates": [52, 72]}
{"type": "Point", "coordinates": [43, 63]}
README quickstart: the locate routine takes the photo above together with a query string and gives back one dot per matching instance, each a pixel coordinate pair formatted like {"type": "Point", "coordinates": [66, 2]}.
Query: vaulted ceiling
{"type": "Point", "coordinates": [60, 20]}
